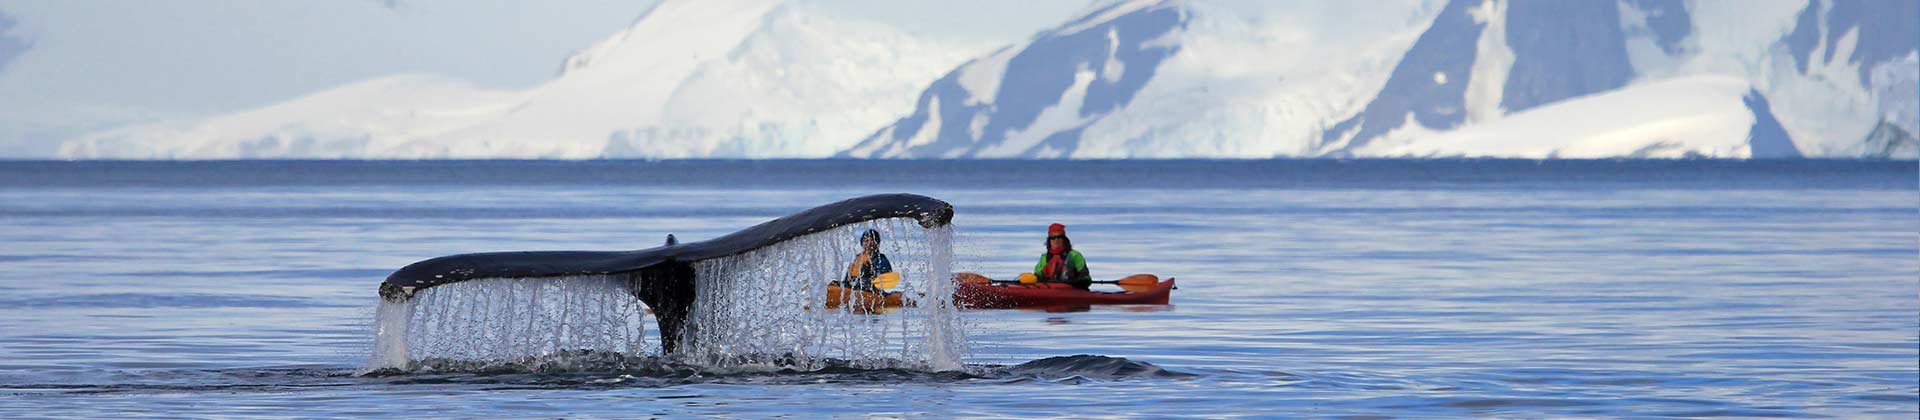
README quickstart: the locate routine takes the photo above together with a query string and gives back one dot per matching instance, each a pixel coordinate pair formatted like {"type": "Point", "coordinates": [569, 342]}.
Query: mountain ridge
{"type": "Point", "coordinates": [1142, 79]}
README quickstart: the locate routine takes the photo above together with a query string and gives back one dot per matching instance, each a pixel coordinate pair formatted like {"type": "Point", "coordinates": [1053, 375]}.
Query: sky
{"type": "Point", "coordinates": [96, 64]}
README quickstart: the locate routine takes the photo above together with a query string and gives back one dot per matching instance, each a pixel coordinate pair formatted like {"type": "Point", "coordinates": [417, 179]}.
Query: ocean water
{"type": "Point", "coordinates": [1450, 288]}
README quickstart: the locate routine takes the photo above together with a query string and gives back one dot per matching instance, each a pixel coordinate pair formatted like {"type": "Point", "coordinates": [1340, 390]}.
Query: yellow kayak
{"type": "Point", "coordinates": [863, 301]}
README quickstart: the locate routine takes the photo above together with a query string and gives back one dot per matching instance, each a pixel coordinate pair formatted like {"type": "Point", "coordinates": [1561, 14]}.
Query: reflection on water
{"type": "Point", "coordinates": [1577, 290]}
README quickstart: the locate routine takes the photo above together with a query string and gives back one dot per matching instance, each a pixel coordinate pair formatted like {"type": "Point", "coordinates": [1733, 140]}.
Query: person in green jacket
{"type": "Point", "coordinates": [1061, 263]}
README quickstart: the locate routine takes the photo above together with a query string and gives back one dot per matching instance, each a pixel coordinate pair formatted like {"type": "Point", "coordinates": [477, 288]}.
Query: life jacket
{"type": "Point", "coordinates": [1059, 263]}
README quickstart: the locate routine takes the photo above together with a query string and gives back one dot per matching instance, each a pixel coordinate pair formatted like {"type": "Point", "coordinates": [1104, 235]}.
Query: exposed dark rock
{"type": "Point", "coordinates": [1035, 79]}
{"type": "Point", "coordinates": [1767, 139]}
{"type": "Point", "coordinates": [1447, 47]}
{"type": "Point", "coordinates": [1563, 49]}
{"type": "Point", "coordinates": [1890, 141]}
{"type": "Point", "coordinates": [1886, 32]}
{"type": "Point", "coordinates": [1668, 19]}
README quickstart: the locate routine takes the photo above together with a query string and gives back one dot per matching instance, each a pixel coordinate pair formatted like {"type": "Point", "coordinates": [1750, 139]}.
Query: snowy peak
{"type": "Point", "coordinates": [621, 82]}
{"type": "Point", "coordinates": [1541, 54]}
{"type": "Point", "coordinates": [1493, 78]}
{"type": "Point", "coordinates": [1429, 85]}
{"type": "Point", "coordinates": [1034, 100]}
{"type": "Point", "coordinates": [1536, 52]}
{"type": "Point", "coordinates": [727, 78]}
{"type": "Point", "coordinates": [806, 84]}
{"type": "Point", "coordinates": [606, 47]}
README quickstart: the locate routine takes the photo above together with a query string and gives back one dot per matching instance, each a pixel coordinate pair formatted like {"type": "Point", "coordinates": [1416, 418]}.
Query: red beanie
{"type": "Point", "coordinates": [1056, 229]}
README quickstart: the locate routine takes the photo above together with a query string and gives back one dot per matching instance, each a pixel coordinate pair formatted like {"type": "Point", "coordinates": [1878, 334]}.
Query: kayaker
{"type": "Point", "coordinates": [871, 263]}
{"type": "Point", "coordinates": [1062, 263]}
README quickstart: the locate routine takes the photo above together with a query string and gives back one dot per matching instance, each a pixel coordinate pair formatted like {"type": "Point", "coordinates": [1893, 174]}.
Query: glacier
{"type": "Point", "coordinates": [1146, 79]}
{"type": "Point", "coordinates": [1674, 118]}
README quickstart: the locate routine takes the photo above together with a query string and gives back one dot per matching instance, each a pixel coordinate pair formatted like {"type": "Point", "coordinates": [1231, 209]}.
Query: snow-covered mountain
{"type": "Point", "coordinates": [68, 68]}
{"type": "Point", "coordinates": [1149, 78]}
{"type": "Point", "coordinates": [1162, 79]}
{"type": "Point", "coordinates": [738, 78]}
{"type": "Point", "coordinates": [1576, 78]}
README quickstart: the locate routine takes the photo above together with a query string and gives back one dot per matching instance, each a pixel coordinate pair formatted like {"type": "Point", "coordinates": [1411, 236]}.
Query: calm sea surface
{"type": "Point", "coordinates": [1307, 288]}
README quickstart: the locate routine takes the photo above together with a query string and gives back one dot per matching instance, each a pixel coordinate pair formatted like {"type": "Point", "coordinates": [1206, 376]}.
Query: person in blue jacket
{"type": "Point", "coordinates": [870, 264]}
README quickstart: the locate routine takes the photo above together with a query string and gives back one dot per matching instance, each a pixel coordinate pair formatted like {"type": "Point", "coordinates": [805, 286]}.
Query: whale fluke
{"type": "Point", "coordinates": [662, 277]}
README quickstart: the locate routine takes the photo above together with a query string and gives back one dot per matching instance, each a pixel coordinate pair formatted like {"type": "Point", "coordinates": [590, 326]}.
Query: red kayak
{"type": "Point", "coordinates": [979, 292]}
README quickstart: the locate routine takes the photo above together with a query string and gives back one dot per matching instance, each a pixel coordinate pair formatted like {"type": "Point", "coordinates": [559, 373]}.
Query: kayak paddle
{"type": "Point", "coordinates": [1133, 283]}
{"type": "Point", "coordinates": [887, 281]}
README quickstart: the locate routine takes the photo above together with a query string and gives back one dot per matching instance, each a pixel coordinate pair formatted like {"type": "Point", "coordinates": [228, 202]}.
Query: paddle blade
{"type": "Point", "coordinates": [887, 281]}
{"type": "Point", "coordinates": [1138, 282]}
{"type": "Point", "coordinates": [1029, 278]}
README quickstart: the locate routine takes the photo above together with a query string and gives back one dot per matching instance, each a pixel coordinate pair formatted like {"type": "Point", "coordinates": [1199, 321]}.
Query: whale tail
{"type": "Point", "coordinates": [662, 277]}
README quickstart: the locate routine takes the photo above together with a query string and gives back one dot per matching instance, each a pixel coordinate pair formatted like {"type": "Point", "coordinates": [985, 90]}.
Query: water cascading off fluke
{"type": "Point", "coordinates": [666, 278]}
